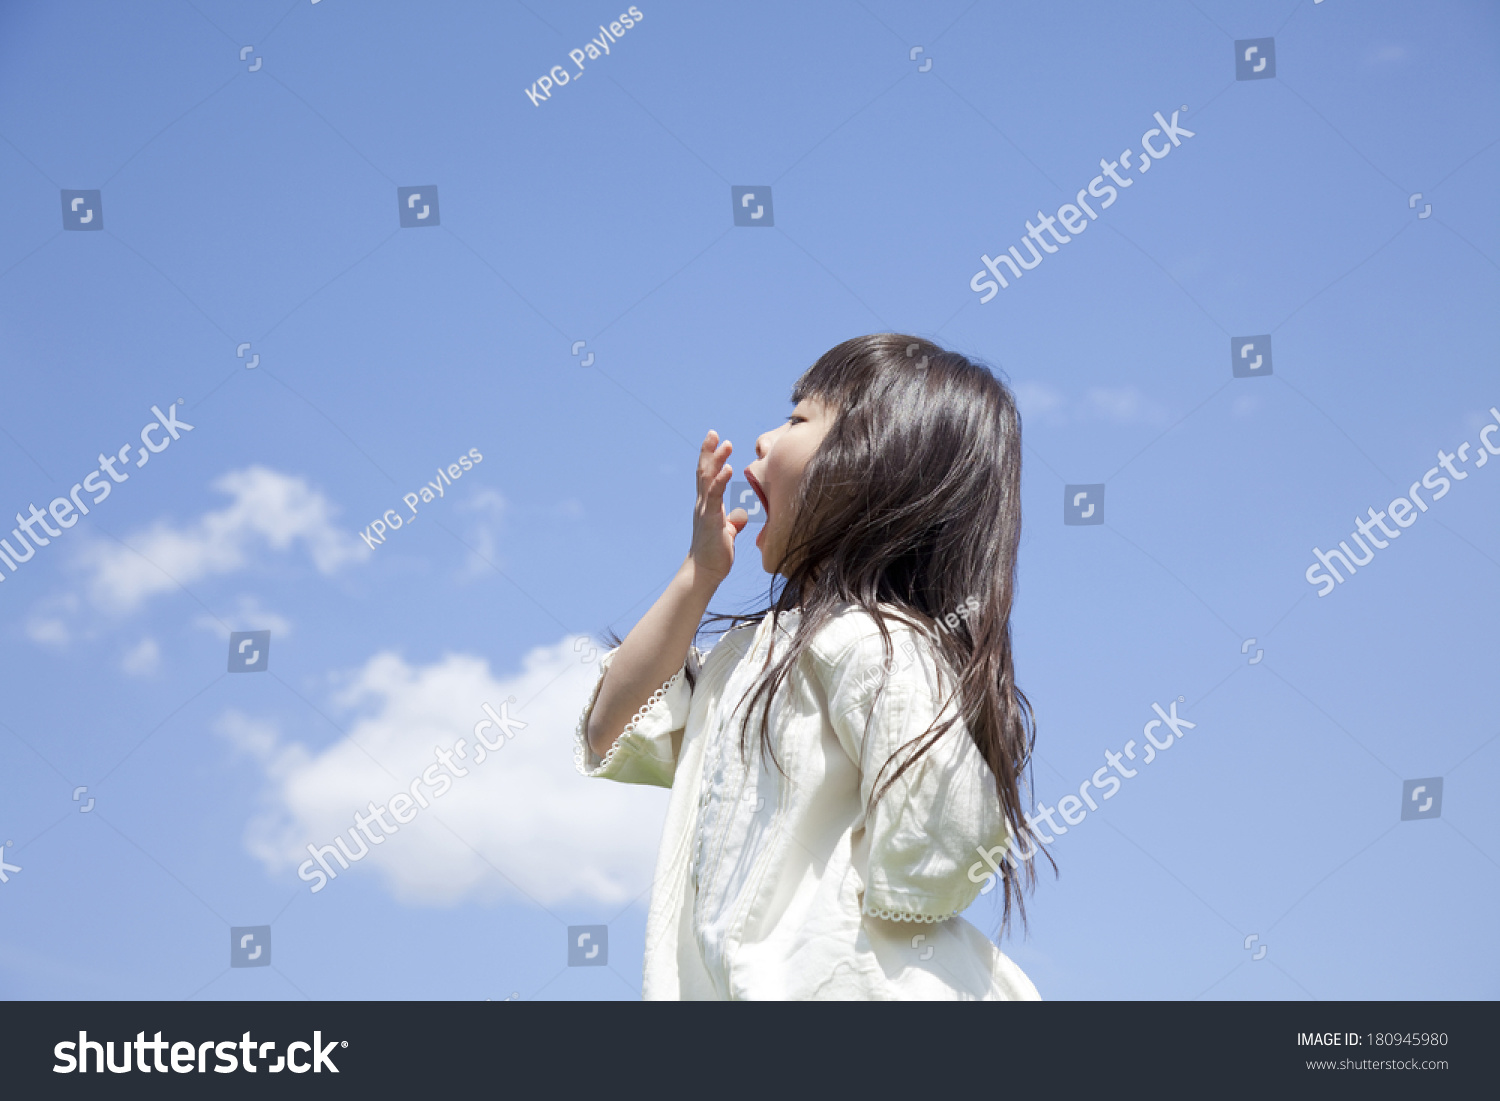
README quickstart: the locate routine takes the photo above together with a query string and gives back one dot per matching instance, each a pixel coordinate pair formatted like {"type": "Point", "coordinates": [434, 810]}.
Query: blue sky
{"type": "Point", "coordinates": [258, 207]}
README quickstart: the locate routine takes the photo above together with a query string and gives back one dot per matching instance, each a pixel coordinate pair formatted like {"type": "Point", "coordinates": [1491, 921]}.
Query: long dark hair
{"type": "Point", "coordinates": [913, 499]}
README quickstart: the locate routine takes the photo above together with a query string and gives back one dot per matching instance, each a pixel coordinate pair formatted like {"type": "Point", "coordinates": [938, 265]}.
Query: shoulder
{"type": "Point", "coordinates": [852, 655]}
{"type": "Point", "coordinates": [853, 633]}
{"type": "Point", "coordinates": [727, 648]}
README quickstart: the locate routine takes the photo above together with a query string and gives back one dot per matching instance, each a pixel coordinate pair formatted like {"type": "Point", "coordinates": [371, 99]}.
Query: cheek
{"type": "Point", "coordinates": [780, 493]}
{"type": "Point", "coordinates": [788, 465]}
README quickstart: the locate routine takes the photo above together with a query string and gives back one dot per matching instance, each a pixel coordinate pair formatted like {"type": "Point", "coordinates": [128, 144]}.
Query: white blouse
{"type": "Point", "coordinates": [772, 887]}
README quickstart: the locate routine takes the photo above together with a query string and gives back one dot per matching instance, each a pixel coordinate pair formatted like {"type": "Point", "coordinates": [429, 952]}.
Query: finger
{"type": "Point", "coordinates": [713, 490]}
{"type": "Point", "coordinates": [721, 455]}
{"type": "Point", "coordinates": [709, 457]}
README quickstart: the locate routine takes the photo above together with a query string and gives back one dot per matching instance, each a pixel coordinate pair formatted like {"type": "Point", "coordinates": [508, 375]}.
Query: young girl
{"type": "Point", "coordinates": [831, 859]}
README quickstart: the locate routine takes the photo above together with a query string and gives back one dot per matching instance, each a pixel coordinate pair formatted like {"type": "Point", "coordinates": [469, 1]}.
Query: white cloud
{"type": "Point", "coordinates": [247, 615]}
{"type": "Point", "coordinates": [1246, 405]}
{"type": "Point", "coordinates": [48, 631]}
{"type": "Point", "coordinates": [555, 834]}
{"type": "Point", "coordinates": [491, 507]}
{"type": "Point", "coordinates": [49, 623]}
{"type": "Point", "coordinates": [1116, 405]}
{"type": "Point", "coordinates": [1384, 55]}
{"type": "Point", "coordinates": [269, 509]}
{"type": "Point", "coordinates": [1037, 398]}
{"type": "Point", "coordinates": [1476, 420]}
{"type": "Point", "coordinates": [142, 659]}
{"type": "Point", "coordinates": [1123, 405]}
{"type": "Point", "coordinates": [486, 501]}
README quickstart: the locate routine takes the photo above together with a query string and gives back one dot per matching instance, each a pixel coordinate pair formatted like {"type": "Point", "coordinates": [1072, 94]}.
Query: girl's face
{"type": "Point", "coordinates": [782, 455]}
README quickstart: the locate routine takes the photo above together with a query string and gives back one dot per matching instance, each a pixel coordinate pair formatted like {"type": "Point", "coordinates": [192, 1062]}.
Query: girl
{"type": "Point", "coordinates": [834, 860]}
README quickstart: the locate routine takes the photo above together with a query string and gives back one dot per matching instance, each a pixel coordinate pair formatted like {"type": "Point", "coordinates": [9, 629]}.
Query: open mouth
{"type": "Point", "coordinates": [759, 492]}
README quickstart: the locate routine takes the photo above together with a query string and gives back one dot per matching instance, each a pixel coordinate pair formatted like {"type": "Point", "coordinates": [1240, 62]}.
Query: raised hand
{"type": "Point", "coordinates": [713, 531]}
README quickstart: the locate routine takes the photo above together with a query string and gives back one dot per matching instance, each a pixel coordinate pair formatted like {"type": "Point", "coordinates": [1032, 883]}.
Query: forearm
{"type": "Point", "coordinates": [653, 650]}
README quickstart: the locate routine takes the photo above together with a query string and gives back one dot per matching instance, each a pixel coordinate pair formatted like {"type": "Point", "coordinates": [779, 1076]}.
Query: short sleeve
{"type": "Point", "coordinates": [943, 814]}
{"type": "Point", "coordinates": [646, 751]}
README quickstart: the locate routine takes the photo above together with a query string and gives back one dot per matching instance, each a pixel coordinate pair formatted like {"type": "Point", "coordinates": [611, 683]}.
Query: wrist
{"type": "Point", "coordinates": [699, 581]}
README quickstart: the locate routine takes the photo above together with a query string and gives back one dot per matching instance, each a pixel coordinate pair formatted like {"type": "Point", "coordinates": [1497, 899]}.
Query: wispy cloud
{"type": "Point", "coordinates": [247, 614]}
{"type": "Point", "coordinates": [49, 622]}
{"type": "Point", "coordinates": [142, 659]}
{"type": "Point", "coordinates": [268, 511]}
{"type": "Point", "coordinates": [1123, 405]}
{"type": "Point", "coordinates": [1389, 54]}
{"type": "Point", "coordinates": [490, 507]}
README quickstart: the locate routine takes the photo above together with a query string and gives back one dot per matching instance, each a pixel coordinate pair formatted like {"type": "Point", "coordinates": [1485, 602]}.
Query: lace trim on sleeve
{"type": "Point", "coordinates": [581, 749]}
{"type": "Point", "coordinates": [898, 915]}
